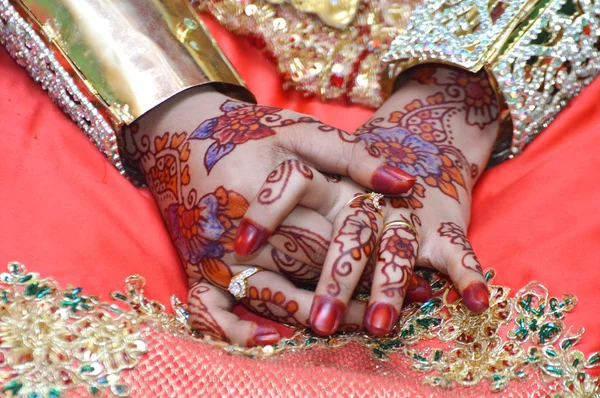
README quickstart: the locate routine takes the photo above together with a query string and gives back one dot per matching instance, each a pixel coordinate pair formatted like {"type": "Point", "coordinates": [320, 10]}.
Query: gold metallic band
{"type": "Point", "coordinates": [539, 54]}
{"type": "Point", "coordinates": [399, 223]}
{"type": "Point", "coordinates": [131, 55]}
{"type": "Point", "coordinates": [374, 197]}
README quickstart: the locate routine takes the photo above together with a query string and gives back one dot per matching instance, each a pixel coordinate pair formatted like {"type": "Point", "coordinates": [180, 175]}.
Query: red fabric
{"type": "Point", "coordinates": [68, 214]}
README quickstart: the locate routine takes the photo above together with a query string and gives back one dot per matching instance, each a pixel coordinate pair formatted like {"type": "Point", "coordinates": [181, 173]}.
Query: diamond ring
{"type": "Point", "coordinates": [238, 286]}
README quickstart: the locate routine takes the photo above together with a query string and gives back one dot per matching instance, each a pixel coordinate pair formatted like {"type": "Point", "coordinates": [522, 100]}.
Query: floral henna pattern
{"type": "Point", "coordinates": [204, 231]}
{"type": "Point", "coordinates": [356, 239]}
{"type": "Point", "coordinates": [279, 178]}
{"type": "Point", "coordinates": [163, 166]}
{"type": "Point", "coordinates": [295, 240]}
{"type": "Point", "coordinates": [201, 320]}
{"type": "Point", "coordinates": [457, 237]}
{"type": "Point", "coordinates": [474, 90]}
{"type": "Point", "coordinates": [419, 139]}
{"type": "Point", "coordinates": [398, 250]}
{"type": "Point", "coordinates": [240, 123]}
{"type": "Point", "coordinates": [295, 270]}
{"type": "Point", "coordinates": [274, 306]}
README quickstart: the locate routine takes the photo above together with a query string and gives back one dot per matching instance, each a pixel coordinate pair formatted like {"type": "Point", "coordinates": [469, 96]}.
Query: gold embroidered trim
{"type": "Point", "coordinates": [54, 341]}
{"type": "Point", "coordinates": [311, 57]}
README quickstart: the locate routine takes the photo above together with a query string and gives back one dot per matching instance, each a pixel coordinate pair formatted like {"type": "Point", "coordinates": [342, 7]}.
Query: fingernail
{"type": "Point", "coordinates": [263, 335]}
{"type": "Point", "coordinates": [419, 290]}
{"type": "Point", "coordinates": [326, 315]}
{"type": "Point", "coordinates": [250, 238]}
{"type": "Point", "coordinates": [476, 297]}
{"type": "Point", "coordinates": [392, 180]}
{"type": "Point", "coordinates": [380, 318]}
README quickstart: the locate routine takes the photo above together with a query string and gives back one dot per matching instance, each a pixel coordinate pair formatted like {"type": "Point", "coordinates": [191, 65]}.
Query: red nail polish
{"type": "Point", "coordinates": [419, 290]}
{"type": "Point", "coordinates": [380, 318]}
{"type": "Point", "coordinates": [263, 335]}
{"type": "Point", "coordinates": [250, 238]}
{"type": "Point", "coordinates": [476, 297]}
{"type": "Point", "coordinates": [392, 180]}
{"type": "Point", "coordinates": [326, 315]}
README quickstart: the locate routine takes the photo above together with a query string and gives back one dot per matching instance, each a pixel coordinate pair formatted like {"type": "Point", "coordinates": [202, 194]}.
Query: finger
{"type": "Point", "coordinates": [291, 184]}
{"type": "Point", "coordinates": [463, 267]}
{"type": "Point", "coordinates": [395, 260]}
{"type": "Point", "coordinates": [334, 151]}
{"type": "Point", "coordinates": [210, 313]}
{"type": "Point", "coordinates": [272, 296]}
{"type": "Point", "coordinates": [356, 231]}
{"type": "Point", "coordinates": [275, 260]}
{"type": "Point", "coordinates": [303, 235]}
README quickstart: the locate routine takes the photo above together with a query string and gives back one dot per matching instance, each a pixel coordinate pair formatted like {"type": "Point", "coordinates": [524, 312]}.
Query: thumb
{"type": "Point", "coordinates": [334, 151]}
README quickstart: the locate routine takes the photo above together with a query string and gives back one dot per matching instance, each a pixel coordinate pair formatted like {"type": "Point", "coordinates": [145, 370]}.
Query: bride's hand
{"type": "Point", "coordinates": [440, 127]}
{"type": "Point", "coordinates": [204, 156]}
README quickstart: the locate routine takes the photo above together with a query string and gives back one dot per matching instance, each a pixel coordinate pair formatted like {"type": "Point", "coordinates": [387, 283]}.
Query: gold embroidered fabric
{"type": "Point", "coordinates": [311, 56]}
{"type": "Point", "coordinates": [55, 342]}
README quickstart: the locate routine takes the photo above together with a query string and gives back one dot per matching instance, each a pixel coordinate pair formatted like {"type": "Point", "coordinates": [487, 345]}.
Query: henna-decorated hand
{"type": "Point", "coordinates": [439, 127]}
{"type": "Point", "coordinates": [203, 156]}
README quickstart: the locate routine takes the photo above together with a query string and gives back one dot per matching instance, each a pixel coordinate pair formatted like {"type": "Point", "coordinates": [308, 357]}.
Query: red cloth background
{"type": "Point", "coordinates": [65, 212]}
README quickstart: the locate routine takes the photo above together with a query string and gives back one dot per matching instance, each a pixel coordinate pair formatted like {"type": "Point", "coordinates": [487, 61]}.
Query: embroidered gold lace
{"type": "Point", "coordinates": [55, 341]}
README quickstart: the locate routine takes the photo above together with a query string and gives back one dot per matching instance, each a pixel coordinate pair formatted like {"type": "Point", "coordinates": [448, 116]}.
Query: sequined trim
{"type": "Point", "coordinates": [540, 53]}
{"type": "Point", "coordinates": [54, 341]}
{"type": "Point", "coordinates": [311, 57]}
{"type": "Point", "coordinates": [30, 52]}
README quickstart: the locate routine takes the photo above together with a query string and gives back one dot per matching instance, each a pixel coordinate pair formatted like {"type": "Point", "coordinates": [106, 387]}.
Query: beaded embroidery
{"type": "Point", "coordinates": [54, 341]}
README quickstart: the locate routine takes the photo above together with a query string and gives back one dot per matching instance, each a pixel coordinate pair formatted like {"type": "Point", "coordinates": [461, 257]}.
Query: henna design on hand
{"type": "Point", "coordinates": [457, 237]}
{"type": "Point", "coordinates": [474, 90]}
{"type": "Point", "coordinates": [311, 244]}
{"type": "Point", "coordinates": [204, 231]}
{"type": "Point", "coordinates": [419, 139]}
{"type": "Point", "coordinates": [295, 270]}
{"type": "Point", "coordinates": [356, 239]}
{"type": "Point", "coordinates": [274, 306]}
{"type": "Point", "coordinates": [240, 123]}
{"type": "Point", "coordinates": [398, 247]}
{"type": "Point", "coordinates": [201, 320]}
{"type": "Point", "coordinates": [279, 178]}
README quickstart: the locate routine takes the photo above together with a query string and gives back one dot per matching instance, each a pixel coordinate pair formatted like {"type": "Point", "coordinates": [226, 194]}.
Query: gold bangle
{"type": "Point", "coordinates": [538, 54]}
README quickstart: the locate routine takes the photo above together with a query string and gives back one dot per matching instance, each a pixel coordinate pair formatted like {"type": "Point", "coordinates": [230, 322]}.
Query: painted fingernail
{"type": "Point", "coordinates": [392, 180]}
{"type": "Point", "coordinates": [250, 238]}
{"type": "Point", "coordinates": [418, 291]}
{"type": "Point", "coordinates": [380, 318]}
{"type": "Point", "coordinates": [476, 297]}
{"type": "Point", "coordinates": [326, 315]}
{"type": "Point", "coordinates": [263, 335]}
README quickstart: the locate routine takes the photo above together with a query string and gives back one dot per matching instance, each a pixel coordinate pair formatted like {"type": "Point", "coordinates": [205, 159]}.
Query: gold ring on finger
{"type": "Point", "coordinates": [400, 223]}
{"type": "Point", "coordinates": [374, 197]}
{"type": "Point", "coordinates": [238, 286]}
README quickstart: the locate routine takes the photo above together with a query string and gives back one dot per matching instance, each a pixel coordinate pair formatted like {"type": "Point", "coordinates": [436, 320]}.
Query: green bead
{"type": "Point", "coordinates": [54, 393]}
{"type": "Point", "coordinates": [554, 370]}
{"type": "Point", "coordinates": [378, 353]}
{"type": "Point", "coordinates": [438, 355]}
{"type": "Point", "coordinates": [547, 331]}
{"type": "Point", "coordinates": [120, 296]}
{"type": "Point", "coordinates": [87, 368]}
{"type": "Point", "coordinates": [551, 352]}
{"type": "Point", "coordinates": [419, 358]}
{"type": "Point", "coordinates": [31, 289]}
{"type": "Point", "coordinates": [14, 386]}
{"type": "Point", "coordinates": [595, 358]}
{"type": "Point", "coordinates": [428, 322]}
{"type": "Point", "coordinates": [567, 343]}
{"type": "Point", "coordinates": [25, 278]}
